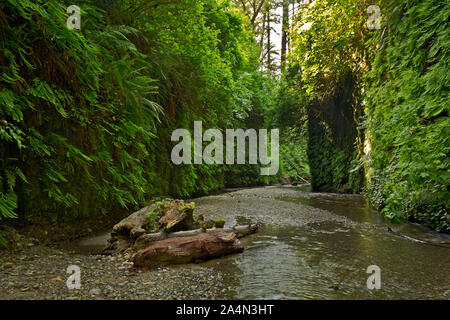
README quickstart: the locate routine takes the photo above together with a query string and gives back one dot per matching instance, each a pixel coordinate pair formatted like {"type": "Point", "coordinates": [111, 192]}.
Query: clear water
{"type": "Point", "coordinates": [329, 259]}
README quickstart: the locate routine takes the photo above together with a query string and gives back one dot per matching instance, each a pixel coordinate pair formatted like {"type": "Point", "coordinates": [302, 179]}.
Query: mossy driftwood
{"type": "Point", "coordinates": [168, 232]}
{"type": "Point", "coordinates": [148, 239]}
{"type": "Point", "coordinates": [203, 246]}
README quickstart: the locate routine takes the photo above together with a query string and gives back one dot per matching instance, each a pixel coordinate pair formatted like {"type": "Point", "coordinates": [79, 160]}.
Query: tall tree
{"type": "Point", "coordinates": [252, 9]}
{"type": "Point", "coordinates": [284, 32]}
{"type": "Point", "coordinates": [269, 44]}
{"type": "Point", "coordinates": [261, 16]}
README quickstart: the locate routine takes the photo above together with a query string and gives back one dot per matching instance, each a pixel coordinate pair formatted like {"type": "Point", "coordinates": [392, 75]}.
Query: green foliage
{"type": "Point", "coordinates": [330, 39]}
{"type": "Point", "coordinates": [187, 206]}
{"type": "Point", "coordinates": [289, 115]}
{"type": "Point", "coordinates": [408, 114]}
{"type": "Point", "coordinates": [152, 221]}
{"type": "Point", "coordinates": [86, 116]}
{"type": "Point", "coordinates": [320, 152]}
{"type": "Point", "coordinates": [330, 55]}
{"type": "Point", "coordinates": [294, 160]}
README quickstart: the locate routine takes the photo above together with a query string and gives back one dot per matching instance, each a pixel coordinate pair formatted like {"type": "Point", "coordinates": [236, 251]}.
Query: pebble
{"type": "Point", "coordinates": [95, 292]}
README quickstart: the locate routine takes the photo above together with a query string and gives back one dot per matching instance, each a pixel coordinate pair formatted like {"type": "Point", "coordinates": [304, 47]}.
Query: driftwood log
{"type": "Point", "coordinates": [178, 241]}
{"type": "Point", "coordinates": [181, 250]}
{"type": "Point", "coordinates": [134, 225]}
{"type": "Point", "coordinates": [127, 231]}
{"type": "Point", "coordinates": [178, 216]}
{"type": "Point", "coordinates": [146, 240]}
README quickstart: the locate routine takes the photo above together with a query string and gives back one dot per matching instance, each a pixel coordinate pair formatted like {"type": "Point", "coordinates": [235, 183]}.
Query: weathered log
{"type": "Point", "coordinates": [126, 231]}
{"type": "Point", "coordinates": [117, 245]}
{"type": "Point", "coordinates": [146, 240]}
{"type": "Point", "coordinates": [175, 220]}
{"type": "Point", "coordinates": [178, 216]}
{"type": "Point", "coordinates": [183, 250]}
{"type": "Point", "coordinates": [134, 225]}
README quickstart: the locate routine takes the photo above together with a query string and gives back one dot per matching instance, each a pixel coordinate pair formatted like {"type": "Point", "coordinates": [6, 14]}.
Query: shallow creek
{"type": "Point", "coordinates": [319, 246]}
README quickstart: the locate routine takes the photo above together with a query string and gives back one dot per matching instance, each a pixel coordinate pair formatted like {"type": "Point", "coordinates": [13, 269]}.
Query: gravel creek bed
{"type": "Point", "coordinates": [40, 273]}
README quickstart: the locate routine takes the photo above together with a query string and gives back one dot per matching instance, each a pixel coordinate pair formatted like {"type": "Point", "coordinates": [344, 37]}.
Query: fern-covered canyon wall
{"type": "Point", "coordinates": [86, 115]}
{"type": "Point", "coordinates": [376, 103]}
{"type": "Point", "coordinates": [408, 104]}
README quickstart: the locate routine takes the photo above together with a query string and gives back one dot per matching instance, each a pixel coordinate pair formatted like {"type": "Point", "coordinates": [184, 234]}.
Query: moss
{"type": "Point", "coordinates": [208, 224]}
{"type": "Point", "coordinates": [219, 222]}
{"type": "Point", "coordinates": [187, 206]}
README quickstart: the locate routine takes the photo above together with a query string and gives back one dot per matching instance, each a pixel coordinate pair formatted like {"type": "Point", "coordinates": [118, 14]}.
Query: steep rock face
{"type": "Point", "coordinates": [188, 249]}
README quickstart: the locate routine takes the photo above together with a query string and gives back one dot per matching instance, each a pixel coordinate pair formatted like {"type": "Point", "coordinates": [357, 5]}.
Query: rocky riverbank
{"type": "Point", "coordinates": [40, 273]}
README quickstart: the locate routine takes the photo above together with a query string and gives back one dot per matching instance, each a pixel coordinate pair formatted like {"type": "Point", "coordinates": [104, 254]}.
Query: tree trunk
{"type": "Point", "coordinates": [148, 239]}
{"type": "Point", "coordinates": [261, 40]}
{"type": "Point", "coordinates": [188, 249]}
{"type": "Point", "coordinates": [284, 33]}
{"type": "Point", "coordinates": [269, 44]}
